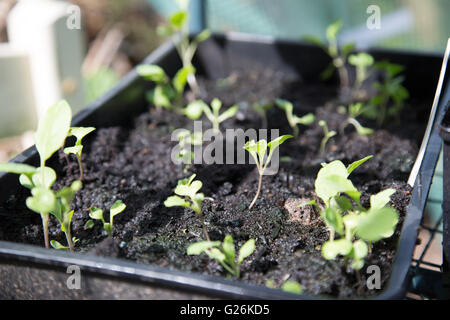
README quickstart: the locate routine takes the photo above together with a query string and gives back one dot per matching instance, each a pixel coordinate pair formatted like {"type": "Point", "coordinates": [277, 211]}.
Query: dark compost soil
{"type": "Point", "coordinates": [133, 164]}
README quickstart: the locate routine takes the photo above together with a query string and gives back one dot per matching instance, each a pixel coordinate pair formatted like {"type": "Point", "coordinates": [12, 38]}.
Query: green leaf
{"type": "Point", "coordinates": [176, 201]}
{"type": "Point", "coordinates": [160, 96]}
{"type": "Point", "coordinates": [202, 36]}
{"type": "Point", "coordinates": [275, 143]}
{"type": "Point", "coordinates": [52, 129]}
{"type": "Point", "coordinates": [360, 249]}
{"type": "Point", "coordinates": [17, 168]}
{"type": "Point", "coordinates": [43, 200]}
{"type": "Point", "coordinates": [201, 246]}
{"type": "Point", "coordinates": [357, 264]}
{"type": "Point", "coordinates": [117, 208]}
{"type": "Point", "coordinates": [164, 31]}
{"type": "Point", "coordinates": [89, 224]}
{"type": "Point", "coordinates": [363, 131]}
{"type": "Point", "coordinates": [381, 199]}
{"type": "Point", "coordinates": [314, 40]}
{"type": "Point", "coordinates": [80, 132]}
{"type": "Point", "coordinates": [361, 59]}
{"type": "Point", "coordinates": [216, 254]}
{"type": "Point", "coordinates": [246, 250]}
{"type": "Point", "coordinates": [306, 119]}
{"type": "Point", "coordinates": [333, 30]}
{"type": "Point", "coordinates": [180, 79]}
{"type": "Point", "coordinates": [332, 185]}
{"type": "Point", "coordinates": [229, 113]}
{"type": "Point", "coordinates": [194, 110]}
{"type": "Point", "coordinates": [377, 224]}
{"type": "Point", "coordinates": [342, 203]}
{"type": "Point", "coordinates": [328, 72]}
{"type": "Point", "coordinates": [331, 249]}
{"type": "Point", "coordinates": [285, 105]}
{"type": "Point", "coordinates": [178, 19]}
{"type": "Point", "coordinates": [73, 150]}
{"type": "Point", "coordinates": [356, 164]}
{"type": "Point", "coordinates": [347, 48]}
{"type": "Point", "coordinates": [333, 219]}
{"type": "Point", "coordinates": [261, 148]}
{"type": "Point", "coordinates": [67, 220]}
{"type": "Point", "coordinates": [26, 181]}
{"type": "Point", "coordinates": [152, 72]}
{"type": "Point", "coordinates": [49, 176]}
{"type": "Point", "coordinates": [292, 287]}
{"type": "Point", "coordinates": [228, 248]}
{"type": "Point", "coordinates": [58, 246]}
{"type": "Point", "coordinates": [96, 213]}
{"type": "Point", "coordinates": [216, 104]}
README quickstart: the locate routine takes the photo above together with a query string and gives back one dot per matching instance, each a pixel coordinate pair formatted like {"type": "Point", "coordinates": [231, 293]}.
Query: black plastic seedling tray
{"type": "Point", "coordinates": [34, 272]}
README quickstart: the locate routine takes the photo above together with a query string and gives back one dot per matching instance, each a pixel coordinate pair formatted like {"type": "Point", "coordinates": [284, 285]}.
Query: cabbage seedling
{"type": "Point", "coordinates": [390, 90]}
{"type": "Point", "coordinates": [52, 131]}
{"type": "Point", "coordinates": [357, 226]}
{"type": "Point", "coordinates": [258, 152]}
{"type": "Point", "coordinates": [166, 94]}
{"type": "Point", "coordinates": [326, 135]}
{"type": "Point", "coordinates": [354, 110]}
{"type": "Point", "coordinates": [63, 213]}
{"type": "Point", "coordinates": [362, 61]}
{"type": "Point", "coordinates": [224, 253]}
{"type": "Point", "coordinates": [338, 56]}
{"type": "Point", "coordinates": [186, 139]}
{"type": "Point", "coordinates": [194, 111]}
{"type": "Point", "coordinates": [261, 109]}
{"type": "Point", "coordinates": [187, 195]}
{"type": "Point", "coordinates": [79, 133]}
{"type": "Point", "coordinates": [178, 23]}
{"type": "Point", "coordinates": [97, 214]}
{"type": "Point", "coordinates": [294, 120]}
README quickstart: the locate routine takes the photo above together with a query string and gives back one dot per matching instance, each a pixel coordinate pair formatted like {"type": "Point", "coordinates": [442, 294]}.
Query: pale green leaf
{"type": "Point", "coordinates": [58, 246]}
{"type": "Point", "coordinates": [228, 248]}
{"type": "Point", "coordinates": [381, 199]}
{"type": "Point", "coordinates": [42, 200]}
{"type": "Point", "coordinates": [117, 208]}
{"type": "Point", "coordinates": [180, 78]}
{"type": "Point", "coordinates": [229, 113]}
{"type": "Point", "coordinates": [176, 201]}
{"type": "Point", "coordinates": [194, 110]}
{"type": "Point", "coordinates": [47, 173]}
{"type": "Point", "coordinates": [377, 224]}
{"type": "Point", "coordinates": [201, 246]}
{"type": "Point", "coordinates": [52, 129]}
{"type": "Point", "coordinates": [17, 168]}
{"type": "Point", "coordinates": [356, 164]}
{"type": "Point", "coordinates": [292, 287]}
{"type": "Point", "coordinates": [152, 72]}
{"type": "Point", "coordinates": [96, 213]}
{"type": "Point", "coordinates": [246, 250]}
{"type": "Point", "coordinates": [331, 249]}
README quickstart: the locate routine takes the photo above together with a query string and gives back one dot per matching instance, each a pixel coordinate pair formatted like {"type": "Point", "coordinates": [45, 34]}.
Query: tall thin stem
{"type": "Point", "coordinates": [44, 217]}
{"type": "Point", "coordinates": [205, 231]}
{"type": "Point", "coordinates": [69, 239]}
{"type": "Point", "coordinates": [81, 167]}
{"type": "Point", "coordinates": [257, 191]}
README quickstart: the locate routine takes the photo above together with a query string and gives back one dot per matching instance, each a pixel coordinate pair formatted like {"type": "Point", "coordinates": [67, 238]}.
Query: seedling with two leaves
{"type": "Point", "coordinates": [224, 253]}
{"type": "Point", "coordinates": [362, 62]}
{"type": "Point", "coordinates": [187, 195]}
{"type": "Point", "coordinates": [338, 55]}
{"type": "Point", "coordinates": [97, 214]}
{"type": "Point", "coordinates": [258, 152]}
{"type": "Point", "coordinates": [167, 93]}
{"type": "Point", "coordinates": [294, 120]}
{"type": "Point", "coordinates": [195, 109]}
{"type": "Point", "coordinates": [344, 215]}
{"type": "Point", "coordinates": [186, 140]}
{"type": "Point", "coordinates": [79, 133]}
{"type": "Point", "coordinates": [354, 110]}
{"type": "Point", "coordinates": [52, 131]}
{"type": "Point", "coordinates": [262, 108]}
{"type": "Point", "coordinates": [327, 135]}
{"type": "Point", "coordinates": [178, 23]}
{"type": "Point", "coordinates": [390, 91]}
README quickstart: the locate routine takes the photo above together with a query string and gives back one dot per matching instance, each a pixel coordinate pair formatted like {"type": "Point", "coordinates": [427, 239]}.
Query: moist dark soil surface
{"type": "Point", "coordinates": [134, 164]}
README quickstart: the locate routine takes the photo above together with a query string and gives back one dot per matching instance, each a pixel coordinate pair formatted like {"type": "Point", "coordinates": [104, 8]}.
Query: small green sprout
{"type": "Point", "coordinates": [166, 94]}
{"type": "Point", "coordinates": [224, 253]}
{"type": "Point", "coordinates": [326, 135]}
{"type": "Point", "coordinates": [354, 110]}
{"type": "Point", "coordinates": [97, 214]}
{"type": "Point", "coordinates": [178, 23]}
{"type": "Point", "coordinates": [186, 139]}
{"type": "Point", "coordinates": [63, 213]}
{"type": "Point", "coordinates": [50, 136]}
{"type": "Point", "coordinates": [338, 55]}
{"type": "Point", "coordinates": [187, 195]}
{"type": "Point", "coordinates": [79, 133]}
{"type": "Point", "coordinates": [194, 111]}
{"type": "Point", "coordinates": [292, 287]}
{"type": "Point", "coordinates": [258, 152]}
{"type": "Point", "coordinates": [362, 61]}
{"type": "Point", "coordinates": [262, 109]}
{"type": "Point", "coordinates": [343, 213]}
{"type": "Point", "coordinates": [292, 118]}
{"type": "Point", "coordinates": [390, 90]}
